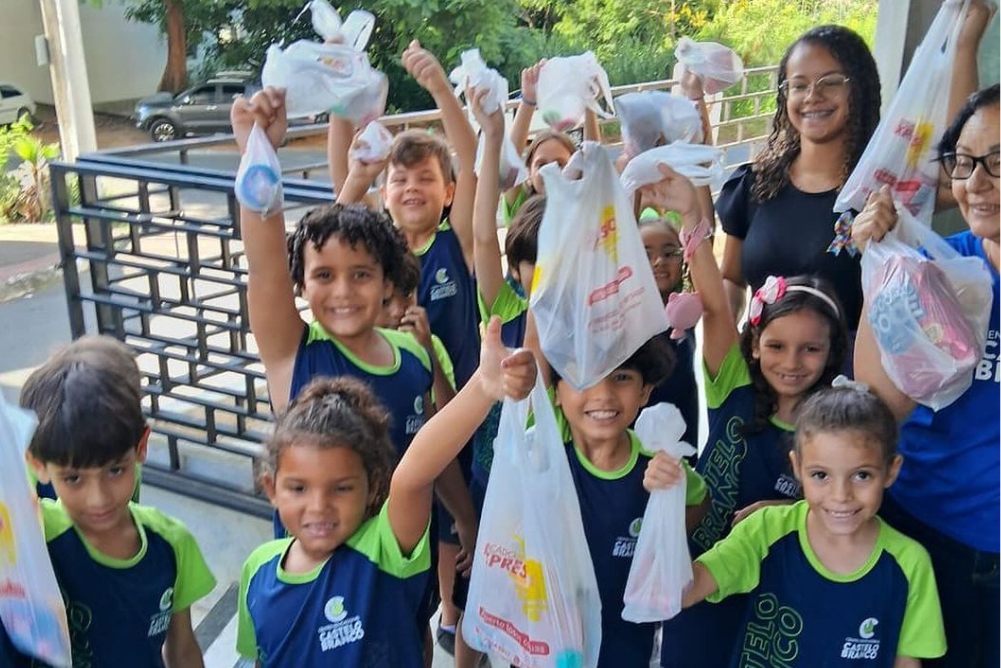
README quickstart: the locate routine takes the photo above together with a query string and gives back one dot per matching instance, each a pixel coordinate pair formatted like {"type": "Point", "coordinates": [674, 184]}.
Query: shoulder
{"type": "Point", "coordinates": [171, 529]}
{"type": "Point", "coordinates": [406, 343]}
{"type": "Point", "coordinates": [262, 555]}
{"type": "Point", "coordinates": [733, 374]}
{"type": "Point", "coordinates": [55, 520]}
{"type": "Point", "coordinates": [375, 540]}
{"type": "Point", "coordinates": [909, 554]}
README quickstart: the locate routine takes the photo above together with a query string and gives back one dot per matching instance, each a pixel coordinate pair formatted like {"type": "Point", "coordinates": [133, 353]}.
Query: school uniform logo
{"type": "Point", "coordinates": [342, 629]}
{"type": "Point", "coordinates": [866, 646]}
{"type": "Point", "coordinates": [416, 420]}
{"type": "Point", "coordinates": [625, 546]}
{"type": "Point", "coordinates": [160, 622]}
{"type": "Point", "coordinates": [444, 286]}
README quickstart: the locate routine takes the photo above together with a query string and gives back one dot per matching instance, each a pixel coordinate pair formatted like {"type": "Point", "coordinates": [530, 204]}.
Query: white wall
{"type": "Point", "coordinates": [124, 59]}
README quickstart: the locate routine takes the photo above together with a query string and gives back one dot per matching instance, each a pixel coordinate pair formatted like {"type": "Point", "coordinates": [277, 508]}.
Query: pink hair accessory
{"type": "Point", "coordinates": [773, 290]}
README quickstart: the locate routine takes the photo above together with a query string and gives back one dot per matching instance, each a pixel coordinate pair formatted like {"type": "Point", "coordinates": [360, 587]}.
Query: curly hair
{"type": "Point", "coordinates": [339, 413]}
{"type": "Point", "coordinates": [772, 167]}
{"type": "Point", "coordinates": [353, 224]}
{"type": "Point", "coordinates": [765, 399]}
{"type": "Point", "coordinates": [848, 409]}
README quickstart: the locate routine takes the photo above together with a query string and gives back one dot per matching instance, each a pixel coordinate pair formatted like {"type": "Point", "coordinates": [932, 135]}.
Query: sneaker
{"type": "Point", "coordinates": [446, 639]}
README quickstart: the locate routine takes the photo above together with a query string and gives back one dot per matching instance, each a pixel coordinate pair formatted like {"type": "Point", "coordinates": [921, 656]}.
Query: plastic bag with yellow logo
{"type": "Point", "coordinates": [594, 298]}
{"type": "Point", "coordinates": [903, 146]}
{"type": "Point", "coordinates": [533, 596]}
{"type": "Point", "coordinates": [31, 607]}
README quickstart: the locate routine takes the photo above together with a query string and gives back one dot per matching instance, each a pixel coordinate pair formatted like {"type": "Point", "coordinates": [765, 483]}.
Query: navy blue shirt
{"type": "Point", "coordinates": [680, 389]}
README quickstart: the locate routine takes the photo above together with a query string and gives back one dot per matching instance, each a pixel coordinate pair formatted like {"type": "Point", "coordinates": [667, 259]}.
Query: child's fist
{"type": "Point", "coordinates": [662, 472]}
{"type": "Point", "coordinates": [425, 68]}
{"type": "Point", "coordinates": [415, 321]}
{"type": "Point", "coordinates": [492, 124]}
{"type": "Point", "coordinates": [674, 193]}
{"type": "Point", "coordinates": [267, 109]}
{"type": "Point", "coordinates": [504, 372]}
{"type": "Point", "coordinates": [530, 82]}
{"type": "Point", "coordinates": [877, 218]}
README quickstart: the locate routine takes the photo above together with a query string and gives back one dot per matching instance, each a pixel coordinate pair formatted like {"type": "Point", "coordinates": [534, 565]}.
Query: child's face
{"type": "Point", "coordinates": [843, 474]}
{"type": "Point", "coordinates": [417, 195]}
{"type": "Point", "coordinates": [321, 494]}
{"type": "Point", "coordinates": [604, 411]}
{"type": "Point", "coordinates": [96, 498]}
{"type": "Point", "coordinates": [663, 249]}
{"type": "Point", "coordinates": [395, 309]}
{"type": "Point", "coordinates": [792, 351]}
{"type": "Point", "coordinates": [345, 287]}
{"type": "Point", "coordinates": [548, 151]}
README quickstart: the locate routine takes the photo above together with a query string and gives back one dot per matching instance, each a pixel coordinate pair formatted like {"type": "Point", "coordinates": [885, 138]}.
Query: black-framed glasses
{"type": "Point", "coordinates": [961, 165]}
{"type": "Point", "coordinates": [832, 84]}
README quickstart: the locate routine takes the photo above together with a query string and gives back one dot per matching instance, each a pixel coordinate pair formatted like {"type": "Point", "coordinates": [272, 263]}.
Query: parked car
{"type": "Point", "coordinates": [14, 103]}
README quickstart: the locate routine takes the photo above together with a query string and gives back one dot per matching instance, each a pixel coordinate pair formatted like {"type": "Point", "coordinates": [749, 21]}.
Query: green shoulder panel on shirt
{"type": "Point", "coordinates": [246, 638]}
{"type": "Point", "coordinates": [735, 561]}
{"type": "Point", "coordinates": [396, 339]}
{"type": "Point", "coordinates": [442, 226]}
{"type": "Point", "coordinates": [733, 373]}
{"type": "Point", "coordinates": [376, 540]}
{"type": "Point", "coordinates": [922, 634]}
{"type": "Point", "coordinates": [507, 304]}
{"type": "Point", "coordinates": [444, 361]}
{"type": "Point", "coordinates": [509, 210]}
{"type": "Point", "coordinates": [54, 519]}
{"type": "Point", "coordinates": [194, 579]}
{"type": "Point", "coordinates": [406, 341]}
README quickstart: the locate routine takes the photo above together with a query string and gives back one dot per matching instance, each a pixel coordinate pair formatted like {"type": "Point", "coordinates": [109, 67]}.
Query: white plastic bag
{"type": "Point", "coordinates": [701, 164]}
{"type": "Point", "coordinates": [259, 177]}
{"type": "Point", "coordinates": [718, 66]}
{"type": "Point", "coordinates": [929, 314]}
{"type": "Point", "coordinates": [568, 86]}
{"type": "Point", "coordinates": [652, 118]}
{"type": "Point", "coordinates": [355, 32]}
{"type": "Point", "coordinates": [473, 72]}
{"type": "Point", "coordinates": [903, 146]}
{"type": "Point", "coordinates": [331, 78]}
{"type": "Point", "coordinates": [375, 142]}
{"type": "Point", "coordinates": [594, 297]}
{"type": "Point", "coordinates": [31, 606]}
{"type": "Point", "coordinates": [662, 565]}
{"type": "Point", "coordinates": [533, 595]}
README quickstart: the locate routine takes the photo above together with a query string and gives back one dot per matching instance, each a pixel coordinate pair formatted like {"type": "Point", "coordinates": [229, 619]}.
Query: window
{"type": "Point", "coordinates": [8, 91]}
{"type": "Point", "coordinates": [230, 91]}
{"type": "Point", "coordinates": [202, 95]}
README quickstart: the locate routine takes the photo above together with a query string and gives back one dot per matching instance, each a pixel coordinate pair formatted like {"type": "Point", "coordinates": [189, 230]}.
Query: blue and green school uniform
{"type": "Point", "coordinates": [801, 615]}
{"type": "Point", "coordinates": [356, 609]}
{"type": "Point", "coordinates": [119, 610]}
{"type": "Point", "coordinates": [739, 469]}
{"type": "Point", "coordinates": [508, 211]}
{"type": "Point", "coordinates": [612, 504]}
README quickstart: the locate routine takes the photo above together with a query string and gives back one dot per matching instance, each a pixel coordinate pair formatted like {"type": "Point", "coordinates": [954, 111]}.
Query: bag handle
{"type": "Point", "coordinates": [514, 420]}
{"type": "Point", "coordinates": [912, 232]}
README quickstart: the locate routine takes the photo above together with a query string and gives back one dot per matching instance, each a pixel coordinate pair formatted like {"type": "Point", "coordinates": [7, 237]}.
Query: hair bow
{"type": "Point", "coordinates": [843, 235]}
{"type": "Point", "coordinates": [769, 293]}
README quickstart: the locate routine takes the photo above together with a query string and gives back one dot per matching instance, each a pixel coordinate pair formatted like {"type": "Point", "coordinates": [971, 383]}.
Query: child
{"type": "Point", "coordinates": [129, 574]}
{"type": "Point", "coordinates": [344, 588]}
{"type": "Point", "coordinates": [663, 249]}
{"type": "Point", "coordinates": [830, 582]}
{"type": "Point", "coordinates": [793, 345]}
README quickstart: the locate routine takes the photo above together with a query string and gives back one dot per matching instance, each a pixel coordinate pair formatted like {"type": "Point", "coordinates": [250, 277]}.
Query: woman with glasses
{"type": "Point", "coordinates": [947, 495]}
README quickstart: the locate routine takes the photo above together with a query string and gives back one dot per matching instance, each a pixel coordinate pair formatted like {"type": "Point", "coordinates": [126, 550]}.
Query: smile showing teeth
{"type": "Point", "coordinates": [842, 514]}
{"type": "Point", "coordinates": [318, 528]}
{"type": "Point", "coordinates": [811, 115]}
{"type": "Point", "coordinates": [413, 202]}
{"type": "Point", "coordinates": [601, 415]}
{"type": "Point", "coordinates": [984, 209]}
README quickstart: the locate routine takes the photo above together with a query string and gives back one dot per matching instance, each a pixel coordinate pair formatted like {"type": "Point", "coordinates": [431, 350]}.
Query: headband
{"type": "Point", "coordinates": [774, 289]}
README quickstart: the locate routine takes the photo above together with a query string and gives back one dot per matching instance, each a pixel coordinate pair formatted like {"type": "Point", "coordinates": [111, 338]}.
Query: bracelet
{"type": "Point", "coordinates": [691, 238]}
{"type": "Point", "coordinates": [530, 103]}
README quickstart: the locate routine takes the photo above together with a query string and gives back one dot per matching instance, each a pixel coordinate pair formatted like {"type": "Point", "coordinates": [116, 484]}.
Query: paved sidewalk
{"type": "Point", "coordinates": [29, 259]}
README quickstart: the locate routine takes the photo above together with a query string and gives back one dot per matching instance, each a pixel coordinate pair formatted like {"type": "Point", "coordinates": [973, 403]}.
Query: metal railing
{"type": "Point", "coordinates": [158, 263]}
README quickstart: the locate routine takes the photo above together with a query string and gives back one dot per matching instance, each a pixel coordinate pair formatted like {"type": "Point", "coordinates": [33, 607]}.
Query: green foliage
{"type": "Point", "coordinates": [24, 191]}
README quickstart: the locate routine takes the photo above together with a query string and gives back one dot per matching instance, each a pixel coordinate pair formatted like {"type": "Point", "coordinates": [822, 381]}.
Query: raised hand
{"type": "Point", "coordinates": [662, 472]}
{"type": "Point", "coordinates": [503, 372]}
{"type": "Point", "coordinates": [674, 193]}
{"type": "Point", "coordinates": [877, 218]}
{"type": "Point", "coordinates": [530, 83]}
{"type": "Point", "coordinates": [267, 109]}
{"type": "Point", "coordinates": [425, 68]}
{"type": "Point", "coordinates": [492, 124]}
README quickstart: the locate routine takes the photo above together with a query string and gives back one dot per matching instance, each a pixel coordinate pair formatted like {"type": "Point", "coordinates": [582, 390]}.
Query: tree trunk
{"type": "Point", "coordinates": [175, 73]}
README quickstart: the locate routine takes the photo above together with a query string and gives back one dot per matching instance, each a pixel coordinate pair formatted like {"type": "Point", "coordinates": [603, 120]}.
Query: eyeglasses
{"type": "Point", "coordinates": [960, 166]}
{"type": "Point", "coordinates": [832, 84]}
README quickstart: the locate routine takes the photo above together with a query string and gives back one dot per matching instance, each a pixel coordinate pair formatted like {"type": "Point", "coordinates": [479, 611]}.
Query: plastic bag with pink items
{"type": "Point", "coordinates": [31, 606]}
{"type": "Point", "coordinates": [652, 118]}
{"type": "Point", "coordinates": [568, 86]}
{"type": "Point", "coordinates": [902, 148]}
{"type": "Point", "coordinates": [929, 313]}
{"type": "Point", "coordinates": [373, 144]}
{"type": "Point", "coordinates": [662, 565]}
{"type": "Point", "coordinates": [718, 66]}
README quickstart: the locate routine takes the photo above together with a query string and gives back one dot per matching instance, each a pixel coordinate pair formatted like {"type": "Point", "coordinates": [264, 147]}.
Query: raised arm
{"type": "Point", "coordinates": [529, 99]}
{"type": "Point", "coordinates": [486, 247]}
{"type": "Point", "coordinates": [339, 136]}
{"type": "Point", "coordinates": [274, 318]}
{"type": "Point", "coordinates": [501, 373]}
{"type": "Point", "coordinates": [426, 69]}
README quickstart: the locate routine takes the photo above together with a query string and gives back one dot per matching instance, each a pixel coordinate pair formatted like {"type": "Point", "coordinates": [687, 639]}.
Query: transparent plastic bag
{"type": "Point", "coordinates": [662, 565]}
{"type": "Point", "coordinates": [259, 177]}
{"type": "Point", "coordinates": [31, 605]}
{"type": "Point", "coordinates": [331, 78]}
{"type": "Point", "coordinates": [718, 66]}
{"type": "Point", "coordinates": [594, 297]}
{"type": "Point", "coordinates": [929, 313]}
{"type": "Point", "coordinates": [473, 72]}
{"type": "Point", "coordinates": [533, 595]}
{"type": "Point", "coordinates": [902, 148]}
{"type": "Point", "coordinates": [375, 142]}
{"type": "Point", "coordinates": [354, 32]}
{"type": "Point", "coordinates": [653, 118]}
{"type": "Point", "coordinates": [568, 86]}
{"type": "Point", "coordinates": [700, 164]}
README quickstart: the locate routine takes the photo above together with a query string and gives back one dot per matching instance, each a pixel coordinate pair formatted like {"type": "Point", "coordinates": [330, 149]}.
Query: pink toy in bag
{"type": "Point", "coordinates": [662, 565]}
{"type": "Point", "coordinates": [31, 606]}
{"type": "Point", "coordinates": [929, 314]}
{"type": "Point", "coordinates": [718, 66]}
{"type": "Point", "coordinates": [533, 595]}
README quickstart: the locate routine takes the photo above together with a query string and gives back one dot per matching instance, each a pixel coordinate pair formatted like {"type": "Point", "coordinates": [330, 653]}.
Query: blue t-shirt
{"type": "Point", "coordinates": [448, 294]}
{"type": "Point", "coordinates": [356, 609]}
{"type": "Point", "coordinates": [612, 504]}
{"type": "Point", "coordinates": [801, 615]}
{"type": "Point", "coordinates": [680, 389]}
{"type": "Point", "coordinates": [119, 610]}
{"type": "Point", "coordinates": [952, 460]}
{"type": "Point", "coordinates": [739, 470]}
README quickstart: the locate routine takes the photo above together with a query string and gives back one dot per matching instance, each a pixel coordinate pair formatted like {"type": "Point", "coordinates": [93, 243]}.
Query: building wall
{"type": "Point", "coordinates": [124, 59]}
